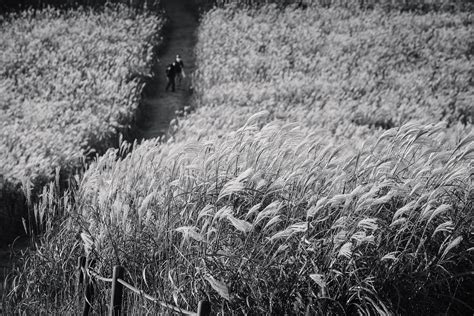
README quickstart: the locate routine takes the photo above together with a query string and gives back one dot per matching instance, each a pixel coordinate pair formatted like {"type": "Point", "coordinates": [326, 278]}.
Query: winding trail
{"type": "Point", "coordinates": [158, 107]}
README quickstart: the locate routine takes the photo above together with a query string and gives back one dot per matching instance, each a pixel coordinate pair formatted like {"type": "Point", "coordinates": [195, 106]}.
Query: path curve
{"type": "Point", "coordinates": [158, 107]}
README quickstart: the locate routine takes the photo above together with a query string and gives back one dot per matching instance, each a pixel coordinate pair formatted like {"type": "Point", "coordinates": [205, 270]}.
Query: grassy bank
{"type": "Point", "coordinates": [71, 81]}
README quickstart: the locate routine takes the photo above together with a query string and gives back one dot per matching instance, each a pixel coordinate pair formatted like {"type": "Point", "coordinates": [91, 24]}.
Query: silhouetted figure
{"type": "Point", "coordinates": [180, 69]}
{"type": "Point", "coordinates": [170, 75]}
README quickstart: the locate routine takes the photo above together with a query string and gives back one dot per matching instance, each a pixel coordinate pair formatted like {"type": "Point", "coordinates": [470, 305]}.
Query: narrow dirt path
{"type": "Point", "coordinates": [159, 107]}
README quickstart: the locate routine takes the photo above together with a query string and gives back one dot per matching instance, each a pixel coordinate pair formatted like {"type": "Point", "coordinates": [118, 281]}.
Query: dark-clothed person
{"type": "Point", "coordinates": [170, 75]}
{"type": "Point", "coordinates": [180, 69]}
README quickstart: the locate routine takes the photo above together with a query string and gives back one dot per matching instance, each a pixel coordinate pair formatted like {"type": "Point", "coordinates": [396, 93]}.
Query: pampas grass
{"type": "Point", "coordinates": [258, 214]}
{"type": "Point", "coordinates": [259, 249]}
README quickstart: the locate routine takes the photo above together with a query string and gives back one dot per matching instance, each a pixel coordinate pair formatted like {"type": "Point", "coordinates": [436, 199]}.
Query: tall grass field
{"type": "Point", "coordinates": [326, 168]}
{"type": "Point", "coordinates": [350, 73]}
{"type": "Point", "coordinates": [70, 82]}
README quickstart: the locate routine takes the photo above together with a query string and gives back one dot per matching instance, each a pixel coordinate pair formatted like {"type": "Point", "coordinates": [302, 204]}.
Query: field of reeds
{"type": "Point", "coordinates": [70, 82]}
{"type": "Point", "coordinates": [21, 5]}
{"type": "Point", "coordinates": [348, 72]}
{"type": "Point", "coordinates": [281, 194]}
{"type": "Point", "coordinates": [269, 219]}
{"type": "Point", "coordinates": [419, 6]}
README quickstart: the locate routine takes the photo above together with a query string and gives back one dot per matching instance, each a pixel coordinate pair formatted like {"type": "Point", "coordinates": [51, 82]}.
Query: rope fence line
{"type": "Point", "coordinates": [154, 299]}
{"type": "Point", "coordinates": [98, 276]}
{"type": "Point", "coordinates": [84, 286]}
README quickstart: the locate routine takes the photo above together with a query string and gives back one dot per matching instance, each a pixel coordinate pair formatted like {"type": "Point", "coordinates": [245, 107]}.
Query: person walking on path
{"type": "Point", "coordinates": [180, 69]}
{"type": "Point", "coordinates": [170, 75]}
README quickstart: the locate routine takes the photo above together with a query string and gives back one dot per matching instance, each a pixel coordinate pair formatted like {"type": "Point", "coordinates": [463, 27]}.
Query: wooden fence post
{"type": "Point", "coordinates": [204, 308]}
{"type": "Point", "coordinates": [89, 289]}
{"type": "Point", "coordinates": [81, 263]}
{"type": "Point", "coordinates": [116, 293]}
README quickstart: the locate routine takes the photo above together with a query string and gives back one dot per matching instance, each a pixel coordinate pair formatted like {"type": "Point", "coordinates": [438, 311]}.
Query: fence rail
{"type": "Point", "coordinates": [85, 286]}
